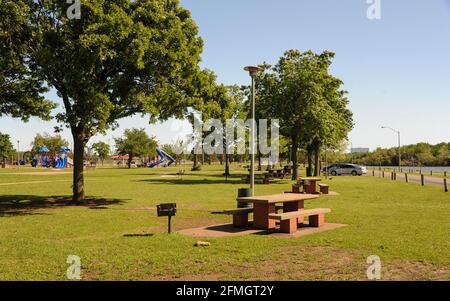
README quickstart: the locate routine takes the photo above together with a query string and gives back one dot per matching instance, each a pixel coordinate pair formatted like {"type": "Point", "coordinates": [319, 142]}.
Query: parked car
{"type": "Point", "coordinates": [346, 169]}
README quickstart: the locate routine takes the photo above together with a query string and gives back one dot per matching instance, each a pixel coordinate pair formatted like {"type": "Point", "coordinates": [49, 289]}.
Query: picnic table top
{"type": "Point", "coordinates": [279, 198]}
{"type": "Point", "coordinates": [311, 179]}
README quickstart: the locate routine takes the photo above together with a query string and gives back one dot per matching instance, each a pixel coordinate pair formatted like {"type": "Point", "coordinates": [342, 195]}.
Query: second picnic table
{"type": "Point", "coordinates": [311, 188]}
{"type": "Point", "coordinates": [266, 204]}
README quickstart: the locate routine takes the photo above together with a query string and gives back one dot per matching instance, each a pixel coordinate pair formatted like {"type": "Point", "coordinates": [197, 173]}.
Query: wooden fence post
{"type": "Point", "coordinates": [445, 185]}
{"type": "Point", "coordinates": [406, 177]}
{"type": "Point", "coordinates": [422, 178]}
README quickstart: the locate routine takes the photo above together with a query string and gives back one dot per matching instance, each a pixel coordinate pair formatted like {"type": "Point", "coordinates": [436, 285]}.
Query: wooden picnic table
{"type": "Point", "coordinates": [266, 204]}
{"type": "Point", "coordinates": [312, 187]}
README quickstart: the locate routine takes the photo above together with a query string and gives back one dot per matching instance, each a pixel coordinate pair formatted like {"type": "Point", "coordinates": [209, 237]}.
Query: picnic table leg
{"type": "Point", "coordinates": [295, 206]}
{"type": "Point", "coordinates": [261, 216]}
{"type": "Point", "coordinates": [317, 221]}
{"type": "Point", "coordinates": [311, 187]}
{"type": "Point", "coordinates": [240, 220]}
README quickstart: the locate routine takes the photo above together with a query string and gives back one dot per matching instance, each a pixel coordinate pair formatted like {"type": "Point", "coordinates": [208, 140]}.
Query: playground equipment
{"type": "Point", "coordinates": [62, 159]}
{"type": "Point", "coordinates": [45, 160]}
{"type": "Point", "coordinates": [163, 156]}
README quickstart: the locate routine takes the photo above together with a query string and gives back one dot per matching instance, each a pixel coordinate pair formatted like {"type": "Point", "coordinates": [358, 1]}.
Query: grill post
{"type": "Point", "coordinates": [168, 210]}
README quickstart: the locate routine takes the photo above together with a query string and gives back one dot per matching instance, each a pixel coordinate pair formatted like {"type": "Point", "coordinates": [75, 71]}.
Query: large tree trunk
{"type": "Point", "coordinates": [309, 151]}
{"type": "Point", "coordinates": [227, 165]}
{"type": "Point", "coordinates": [316, 158]}
{"type": "Point", "coordinates": [130, 159]}
{"type": "Point", "coordinates": [80, 141]}
{"type": "Point", "coordinates": [294, 159]}
{"type": "Point", "coordinates": [195, 161]}
{"type": "Point", "coordinates": [259, 161]}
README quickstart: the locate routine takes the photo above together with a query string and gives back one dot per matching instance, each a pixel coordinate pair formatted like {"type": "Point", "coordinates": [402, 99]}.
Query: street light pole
{"type": "Point", "coordinates": [18, 154]}
{"type": "Point", "coordinates": [253, 71]}
{"type": "Point", "coordinates": [399, 145]}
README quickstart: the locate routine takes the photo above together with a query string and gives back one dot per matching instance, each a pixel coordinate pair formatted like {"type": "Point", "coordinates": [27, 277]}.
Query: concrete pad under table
{"type": "Point", "coordinates": [228, 230]}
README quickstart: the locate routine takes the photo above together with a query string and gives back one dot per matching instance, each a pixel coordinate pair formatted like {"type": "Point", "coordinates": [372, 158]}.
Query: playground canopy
{"type": "Point", "coordinates": [44, 150]}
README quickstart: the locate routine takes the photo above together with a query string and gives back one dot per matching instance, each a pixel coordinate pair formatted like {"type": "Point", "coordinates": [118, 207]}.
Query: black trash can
{"type": "Point", "coordinates": [242, 193]}
{"type": "Point", "coordinates": [309, 171]}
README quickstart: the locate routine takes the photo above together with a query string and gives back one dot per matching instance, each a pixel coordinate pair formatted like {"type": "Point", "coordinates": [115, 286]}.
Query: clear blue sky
{"type": "Point", "coordinates": [397, 69]}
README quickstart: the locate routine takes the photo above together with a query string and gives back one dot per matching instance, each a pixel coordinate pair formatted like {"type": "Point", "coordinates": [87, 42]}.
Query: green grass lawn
{"type": "Point", "coordinates": [119, 236]}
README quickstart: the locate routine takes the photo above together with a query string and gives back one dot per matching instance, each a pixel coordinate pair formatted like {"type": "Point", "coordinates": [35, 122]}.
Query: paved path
{"type": "Point", "coordinates": [33, 182]}
{"type": "Point", "coordinates": [411, 178]}
{"type": "Point", "coordinates": [36, 173]}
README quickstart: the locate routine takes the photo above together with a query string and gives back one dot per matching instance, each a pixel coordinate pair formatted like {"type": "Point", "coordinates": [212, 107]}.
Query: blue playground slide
{"type": "Point", "coordinates": [164, 157]}
{"type": "Point", "coordinates": [61, 163]}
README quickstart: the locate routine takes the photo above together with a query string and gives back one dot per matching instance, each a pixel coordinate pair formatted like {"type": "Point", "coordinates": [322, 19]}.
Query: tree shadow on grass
{"type": "Point", "coordinates": [17, 205]}
{"type": "Point", "coordinates": [138, 235]}
{"type": "Point", "coordinates": [190, 181]}
{"type": "Point", "coordinates": [235, 181]}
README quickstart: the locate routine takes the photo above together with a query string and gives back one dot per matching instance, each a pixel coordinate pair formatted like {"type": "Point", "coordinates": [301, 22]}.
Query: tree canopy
{"type": "Point", "coordinates": [420, 154]}
{"type": "Point", "coordinates": [52, 142]}
{"type": "Point", "coordinates": [135, 142]}
{"type": "Point", "coordinates": [20, 89]}
{"type": "Point", "coordinates": [6, 147]}
{"type": "Point", "coordinates": [102, 149]}
{"type": "Point", "coordinates": [300, 91]}
{"type": "Point", "coordinates": [119, 59]}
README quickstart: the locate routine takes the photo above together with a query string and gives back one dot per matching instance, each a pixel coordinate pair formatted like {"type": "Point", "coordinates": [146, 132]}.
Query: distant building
{"type": "Point", "coordinates": [360, 150]}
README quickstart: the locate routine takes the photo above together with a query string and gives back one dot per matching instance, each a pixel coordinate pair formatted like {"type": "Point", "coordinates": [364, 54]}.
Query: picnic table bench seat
{"type": "Point", "coordinates": [288, 220]}
{"type": "Point", "coordinates": [238, 211]}
{"type": "Point", "coordinates": [246, 179]}
{"type": "Point", "coordinates": [240, 215]}
{"type": "Point", "coordinates": [324, 188]}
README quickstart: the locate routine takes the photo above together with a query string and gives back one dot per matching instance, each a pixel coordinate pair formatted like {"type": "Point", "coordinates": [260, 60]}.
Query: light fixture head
{"type": "Point", "coordinates": [253, 70]}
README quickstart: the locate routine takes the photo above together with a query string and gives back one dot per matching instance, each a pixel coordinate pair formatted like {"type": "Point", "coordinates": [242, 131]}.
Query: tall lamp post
{"type": "Point", "coordinates": [18, 154]}
{"type": "Point", "coordinates": [253, 71]}
{"type": "Point", "coordinates": [399, 145]}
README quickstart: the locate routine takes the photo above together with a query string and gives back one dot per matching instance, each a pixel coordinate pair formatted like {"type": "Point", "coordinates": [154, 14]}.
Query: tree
{"type": "Point", "coordinates": [20, 91]}
{"type": "Point", "coordinates": [102, 149]}
{"type": "Point", "coordinates": [119, 59]}
{"type": "Point", "coordinates": [135, 143]}
{"type": "Point", "coordinates": [209, 101]}
{"type": "Point", "coordinates": [6, 147]}
{"type": "Point", "coordinates": [53, 143]}
{"type": "Point", "coordinates": [233, 107]}
{"type": "Point", "coordinates": [306, 98]}
{"type": "Point", "coordinates": [221, 106]}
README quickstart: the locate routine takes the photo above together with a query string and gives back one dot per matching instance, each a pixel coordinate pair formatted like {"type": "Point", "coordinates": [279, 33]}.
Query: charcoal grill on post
{"type": "Point", "coordinates": [168, 210]}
